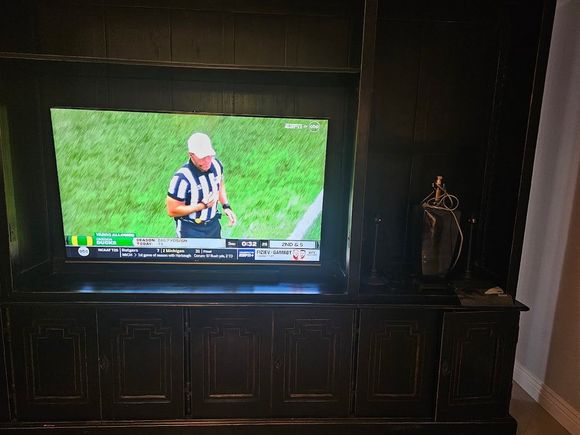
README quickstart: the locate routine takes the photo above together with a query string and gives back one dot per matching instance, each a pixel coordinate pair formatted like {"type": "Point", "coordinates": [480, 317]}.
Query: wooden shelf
{"type": "Point", "coordinates": [37, 57]}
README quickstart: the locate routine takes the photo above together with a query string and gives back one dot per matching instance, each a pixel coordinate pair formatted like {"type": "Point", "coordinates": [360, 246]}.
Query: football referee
{"type": "Point", "coordinates": [195, 191]}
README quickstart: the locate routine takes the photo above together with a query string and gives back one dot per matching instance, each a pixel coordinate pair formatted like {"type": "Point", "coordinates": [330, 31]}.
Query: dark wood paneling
{"type": "Point", "coordinates": [511, 146]}
{"type": "Point", "coordinates": [140, 94]}
{"type": "Point", "coordinates": [454, 83]}
{"type": "Point", "coordinates": [445, 10]}
{"type": "Point", "coordinates": [397, 68]}
{"type": "Point", "coordinates": [18, 26]}
{"type": "Point", "coordinates": [138, 33]}
{"type": "Point", "coordinates": [477, 357]}
{"type": "Point", "coordinates": [54, 353]}
{"type": "Point", "coordinates": [312, 362]}
{"type": "Point", "coordinates": [260, 39]}
{"type": "Point", "coordinates": [202, 96]}
{"type": "Point", "coordinates": [230, 361]}
{"type": "Point", "coordinates": [431, 112]}
{"type": "Point", "coordinates": [254, 99]}
{"type": "Point", "coordinates": [293, 7]}
{"type": "Point", "coordinates": [317, 41]}
{"type": "Point", "coordinates": [71, 28]}
{"type": "Point", "coordinates": [141, 362]}
{"type": "Point", "coordinates": [27, 163]}
{"type": "Point", "coordinates": [397, 363]}
{"type": "Point", "coordinates": [204, 37]}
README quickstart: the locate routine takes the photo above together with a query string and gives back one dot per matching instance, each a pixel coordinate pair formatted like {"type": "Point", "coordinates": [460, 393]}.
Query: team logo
{"type": "Point", "coordinates": [83, 251]}
{"type": "Point", "coordinates": [314, 126]}
{"type": "Point", "coordinates": [298, 254]}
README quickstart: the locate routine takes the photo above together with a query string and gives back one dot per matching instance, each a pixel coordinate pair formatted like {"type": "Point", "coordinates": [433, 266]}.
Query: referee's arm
{"type": "Point", "coordinates": [177, 208]}
{"type": "Point", "coordinates": [223, 199]}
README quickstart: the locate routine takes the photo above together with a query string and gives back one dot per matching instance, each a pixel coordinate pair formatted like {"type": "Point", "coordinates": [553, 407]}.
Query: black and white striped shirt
{"type": "Point", "coordinates": [190, 185]}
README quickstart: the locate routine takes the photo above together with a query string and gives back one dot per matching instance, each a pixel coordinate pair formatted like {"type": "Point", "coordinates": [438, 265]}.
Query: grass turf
{"type": "Point", "coordinates": [114, 169]}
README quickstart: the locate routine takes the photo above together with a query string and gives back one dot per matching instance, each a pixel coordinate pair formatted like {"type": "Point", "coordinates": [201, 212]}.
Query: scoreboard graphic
{"type": "Point", "coordinates": [129, 247]}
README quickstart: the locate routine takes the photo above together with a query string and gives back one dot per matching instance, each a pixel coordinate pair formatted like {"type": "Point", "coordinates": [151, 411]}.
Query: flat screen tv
{"type": "Point", "coordinates": [154, 187]}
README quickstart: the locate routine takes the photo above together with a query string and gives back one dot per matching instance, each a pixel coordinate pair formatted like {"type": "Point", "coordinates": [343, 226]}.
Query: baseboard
{"type": "Point", "coordinates": [552, 402]}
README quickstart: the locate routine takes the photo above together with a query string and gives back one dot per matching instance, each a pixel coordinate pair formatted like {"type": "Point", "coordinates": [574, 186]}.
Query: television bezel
{"type": "Point", "coordinates": [331, 264]}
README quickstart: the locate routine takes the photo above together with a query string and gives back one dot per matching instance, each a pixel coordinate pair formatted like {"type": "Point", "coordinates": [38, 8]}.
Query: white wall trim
{"type": "Point", "coordinates": [552, 402]}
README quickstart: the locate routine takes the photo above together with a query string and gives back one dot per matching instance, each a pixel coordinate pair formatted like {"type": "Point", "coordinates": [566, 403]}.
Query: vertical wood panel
{"type": "Point", "coordinates": [317, 42]}
{"type": "Point", "coordinates": [363, 128]}
{"type": "Point", "coordinates": [18, 26]}
{"type": "Point", "coordinates": [230, 361]}
{"type": "Point", "coordinates": [397, 68]}
{"type": "Point", "coordinates": [55, 363]}
{"type": "Point", "coordinates": [387, 197]}
{"type": "Point", "coordinates": [478, 351]}
{"type": "Point", "coordinates": [70, 28]}
{"type": "Point", "coordinates": [312, 362]}
{"type": "Point", "coordinates": [202, 96]}
{"type": "Point", "coordinates": [139, 93]}
{"type": "Point", "coordinates": [397, 363]}
{"type": "Point", "coordinates": [204, 37]}
{"type": "Point", "coordinates": [141, 362]}
{"type": "Point", "coordinates": [255, 99]}
{"type": "Point", "coordinates": [30, 225]}
{"type": "Point", "coordinates": [260, 39]}
{"type": "Point", "coordinates": [138, 33]}
{"type": "Point", "coordinates": [455, 87]}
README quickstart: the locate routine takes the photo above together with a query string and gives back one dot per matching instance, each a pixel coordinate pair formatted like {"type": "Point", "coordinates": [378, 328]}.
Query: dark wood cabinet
{"type": "Point", "coordinates": [312, 361]}
{"type": "Point", "coordinates": [477, 359]}
{"type": "Point", "coordinates": [55, 363]}
{"type": "Point", "coordinates": [397, 363]}
{"type": "Point", "coordinates": [411, 90]}
{"type": "Point", "coordinates": [230, 361]}
{"type": "Point", "coordinates": [213, 362]}
{"type": "Point", "coordinates": [141, 362]}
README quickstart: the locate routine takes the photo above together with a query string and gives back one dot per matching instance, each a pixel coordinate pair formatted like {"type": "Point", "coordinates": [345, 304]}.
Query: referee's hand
{"type": "Point", "coordinates": [231, 216]}
{"type": "Point", "coordinates": [210, 200]}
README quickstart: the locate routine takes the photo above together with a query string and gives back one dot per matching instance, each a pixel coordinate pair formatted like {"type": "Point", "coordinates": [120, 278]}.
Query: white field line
{"type": "Point", "coordinates": [308, 219]}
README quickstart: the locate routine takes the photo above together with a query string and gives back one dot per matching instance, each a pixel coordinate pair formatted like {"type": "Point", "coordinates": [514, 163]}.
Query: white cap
{"type": "Point", "coordinates": [200, 145]}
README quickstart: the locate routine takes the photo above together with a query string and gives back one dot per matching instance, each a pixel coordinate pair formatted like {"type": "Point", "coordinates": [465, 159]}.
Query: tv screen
{"type": "Point", "coordinates": [188, 187]}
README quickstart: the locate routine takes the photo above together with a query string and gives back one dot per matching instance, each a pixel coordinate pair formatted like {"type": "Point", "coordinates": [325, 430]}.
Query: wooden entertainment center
{"type": "Point", "coordinates": [411, 90]}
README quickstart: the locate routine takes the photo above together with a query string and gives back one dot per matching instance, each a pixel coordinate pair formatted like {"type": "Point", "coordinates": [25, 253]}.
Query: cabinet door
{"type": "Point", "coordinates": [230, 361]}
{"type": "Point", "coordinates": [141, 362]}
{"type": "Point", "coordinates": [477, 358]}
{"type": "Point", "coordinates": [397, 363]}
{"type": "Point", "coordinates": [312, 362]}
{"type": "Point", "coordinates": [54, 351]}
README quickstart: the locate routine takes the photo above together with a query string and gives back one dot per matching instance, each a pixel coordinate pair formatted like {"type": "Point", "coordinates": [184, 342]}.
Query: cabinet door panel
{"type": "Point", "coordinates": [141, 362]}
{"type": "Point", "coordinates": [477, 357]}
{"type": "Point", "coordinates": [312, 362]}
{"type": "Point", "coordinates": [397, 363]}
{"type": "Point", "coordinates": [55, 363]}
{"type": "Point", "coordinates": [230, 361]}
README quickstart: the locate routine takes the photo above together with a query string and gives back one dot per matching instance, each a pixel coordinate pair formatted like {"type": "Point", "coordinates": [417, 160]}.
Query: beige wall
{"type": "Point", "coordinates": [549, 281]}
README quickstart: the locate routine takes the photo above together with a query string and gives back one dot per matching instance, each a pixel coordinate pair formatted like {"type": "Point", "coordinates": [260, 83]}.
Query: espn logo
{"type": "Point", "coordinates": [246, 253]}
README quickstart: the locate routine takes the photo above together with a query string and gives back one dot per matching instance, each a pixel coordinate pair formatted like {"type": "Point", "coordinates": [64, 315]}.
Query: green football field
{"type": "Point", "coordinates": [114, 169]}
